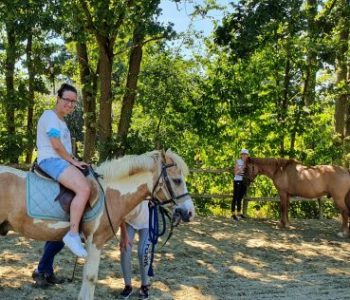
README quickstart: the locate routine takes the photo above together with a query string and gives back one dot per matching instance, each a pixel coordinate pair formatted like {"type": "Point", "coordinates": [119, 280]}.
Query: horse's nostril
{"type": "Point", "coordinates": [190, 214]}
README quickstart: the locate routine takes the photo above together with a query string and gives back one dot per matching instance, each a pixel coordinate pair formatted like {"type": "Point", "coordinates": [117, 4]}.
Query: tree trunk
{"type": "Point", "coordinates": [10, 100]}
{"type": "Point", "coordinates": [341, 76]}
{"type": "Point", "coordinates": [283, 106]}
{"type": "Point", "coordinates": [311, 62]}
{"type": "Point", "coordinates": [105, 117]}
{"type": "Point", "coordinates": [130, 93]}
{"type": "Point", "coordinates": [88, 81]}
{"type": "Point", "coordinates": [105, 36]}
{"type": "Point", "coordinates": [30, 112]}
{"type": "Point", "coordinates": [294, 131]}
{"type": "Point", "coordinates": [342, 109]}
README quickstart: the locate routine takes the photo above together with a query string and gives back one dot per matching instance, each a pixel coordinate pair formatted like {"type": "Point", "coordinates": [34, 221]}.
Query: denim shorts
{"type": "Point", "coordinates": [54, 166]}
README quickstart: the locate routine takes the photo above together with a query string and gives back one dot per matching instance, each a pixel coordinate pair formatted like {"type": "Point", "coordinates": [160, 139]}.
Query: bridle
{"type": "Point", "coordinates": [163, 183]}
{"type": "Point", "coordinates": [250, 172]}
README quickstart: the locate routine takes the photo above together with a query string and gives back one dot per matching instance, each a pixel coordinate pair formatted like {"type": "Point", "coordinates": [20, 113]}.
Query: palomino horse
{"type": "Point", "coordinates": [294, 179]}
{"type": "Point", "coordinates": [126, 181]}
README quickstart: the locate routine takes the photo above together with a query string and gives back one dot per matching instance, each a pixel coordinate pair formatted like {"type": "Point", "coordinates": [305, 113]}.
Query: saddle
{"type": "Point", "coordinates": [65, 195]}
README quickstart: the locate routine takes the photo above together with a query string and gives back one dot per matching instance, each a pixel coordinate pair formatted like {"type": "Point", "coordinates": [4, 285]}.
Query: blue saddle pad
{"type": "Point", "coordinates": [41, 205]}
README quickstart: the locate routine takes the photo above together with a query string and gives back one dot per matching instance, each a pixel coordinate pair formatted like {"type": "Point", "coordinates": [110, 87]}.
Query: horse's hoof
{"type": "Point", "coordinates": [281, 225]}
{"type": "Point", "coordinates": [343, 234]}
{"type": "Point", "coordinates": [4, 228]}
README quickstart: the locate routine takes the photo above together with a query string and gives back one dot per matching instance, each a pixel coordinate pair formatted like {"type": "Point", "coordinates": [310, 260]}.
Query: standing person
{"type": "Point", "coordinates": [56, 159]}
{"type": "Point", "coordinates": [136, 221]}
{"type": "Point", "coordinates": [239, 186]}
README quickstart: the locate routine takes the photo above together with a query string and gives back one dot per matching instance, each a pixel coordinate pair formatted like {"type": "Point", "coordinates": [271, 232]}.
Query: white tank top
{"type": "Point", "coordinates": [139, 216]}
{"type": "Point", "coordinates": [240, 164]}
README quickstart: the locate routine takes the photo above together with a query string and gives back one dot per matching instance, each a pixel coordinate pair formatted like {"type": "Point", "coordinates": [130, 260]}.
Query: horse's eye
{"type": "Point", "coordinates": [177, 181]}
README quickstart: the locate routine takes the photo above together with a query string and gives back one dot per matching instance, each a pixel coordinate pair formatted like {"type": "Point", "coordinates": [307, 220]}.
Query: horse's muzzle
{"type": "Point", "coordinates": [181, 214]}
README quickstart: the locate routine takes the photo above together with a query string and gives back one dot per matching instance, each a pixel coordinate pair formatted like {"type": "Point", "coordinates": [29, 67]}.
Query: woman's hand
{"type": "Point", "coordinates": [80, 164]}
{"type": "Point", "coordinates": [124, 238]}
{"type": "Point", "coordinates": [124, 243]}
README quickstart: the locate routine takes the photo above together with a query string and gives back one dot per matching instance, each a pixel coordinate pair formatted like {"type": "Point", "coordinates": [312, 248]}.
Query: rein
{"type": "Point", "coordinates": [97, 176]}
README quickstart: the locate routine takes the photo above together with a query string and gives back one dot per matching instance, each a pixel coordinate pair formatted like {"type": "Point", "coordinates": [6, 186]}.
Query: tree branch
{"type": "Point", "coordinates": [143, 43]}
{"type": "Point", "coordinates": [120, 19]}
{"type": "Point", "coordinates": [88, 16]}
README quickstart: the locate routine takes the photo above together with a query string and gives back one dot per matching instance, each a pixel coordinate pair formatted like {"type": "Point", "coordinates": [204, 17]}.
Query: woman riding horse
{"type": "Point", "coordinates": [126, 182]}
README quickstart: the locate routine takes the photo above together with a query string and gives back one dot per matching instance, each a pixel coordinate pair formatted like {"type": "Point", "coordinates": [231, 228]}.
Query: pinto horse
{"type": "Point", "coordinates": [126, 181]}
{"type": "Point", "coordinates": [291, 178]}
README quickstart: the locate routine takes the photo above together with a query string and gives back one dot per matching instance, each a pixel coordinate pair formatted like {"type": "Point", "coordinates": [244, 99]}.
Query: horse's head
{"type": "Point", "coordinates": [170, 185]}
{"type": "Point", "coordinates": [251, 171]}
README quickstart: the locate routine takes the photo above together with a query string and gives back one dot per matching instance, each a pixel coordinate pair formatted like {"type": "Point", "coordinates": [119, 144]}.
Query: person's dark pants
{"type": "Point", "coordinates": [239, 189]}
{"type": "Point", "coordinates": [46, 261]}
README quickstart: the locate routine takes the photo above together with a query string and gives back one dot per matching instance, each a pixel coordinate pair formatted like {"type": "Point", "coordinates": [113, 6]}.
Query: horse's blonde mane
{"type": "Point", "coordinates": [278, 162]}
{"type": "Point", "coordinates": [124, 166]}
{"type": "Point", "coordinates": [127, 165]}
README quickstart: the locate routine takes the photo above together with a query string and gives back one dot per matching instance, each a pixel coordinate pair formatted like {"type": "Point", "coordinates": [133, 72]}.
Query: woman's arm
{"type": "Point", "coordinates": [124, 239]}
{"type": "Point", "coordinates": [238, 170]}
{"type": "Point", "coordinates": [61, 151]}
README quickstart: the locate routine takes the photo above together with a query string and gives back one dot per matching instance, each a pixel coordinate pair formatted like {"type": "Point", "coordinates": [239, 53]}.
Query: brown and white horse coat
{"type": "Point", "coordinates": [126, 181]}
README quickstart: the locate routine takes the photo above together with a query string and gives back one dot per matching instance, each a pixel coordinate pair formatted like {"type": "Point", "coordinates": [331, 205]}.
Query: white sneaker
{"type": "Point", "coordinates": [73, 242]}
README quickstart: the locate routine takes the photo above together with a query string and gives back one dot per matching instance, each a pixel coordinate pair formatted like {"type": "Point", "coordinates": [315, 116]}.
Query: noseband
{"type": "Point", "coordinates": [163, 176]}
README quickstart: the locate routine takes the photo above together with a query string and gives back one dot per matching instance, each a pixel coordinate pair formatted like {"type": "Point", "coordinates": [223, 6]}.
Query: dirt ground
{"type": "Point", "coordinates": [212, 258]}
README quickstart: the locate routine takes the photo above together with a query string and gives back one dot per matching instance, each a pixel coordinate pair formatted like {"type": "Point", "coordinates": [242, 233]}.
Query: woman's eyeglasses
{"type": "Point", "coordinates": [72, 102]}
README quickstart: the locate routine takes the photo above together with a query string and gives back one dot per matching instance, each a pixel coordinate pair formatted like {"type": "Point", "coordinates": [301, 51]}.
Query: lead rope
{"type": "Point", "coordinates": [154, 230]}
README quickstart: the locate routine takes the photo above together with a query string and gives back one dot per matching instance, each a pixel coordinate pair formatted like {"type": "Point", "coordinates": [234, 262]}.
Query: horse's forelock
{"type": "Point", "coordinates": [178, 160]}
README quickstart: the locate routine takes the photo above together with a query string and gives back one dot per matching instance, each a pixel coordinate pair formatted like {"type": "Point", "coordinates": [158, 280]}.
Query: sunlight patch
{"type": "Point", "coordinates": [201, 245]}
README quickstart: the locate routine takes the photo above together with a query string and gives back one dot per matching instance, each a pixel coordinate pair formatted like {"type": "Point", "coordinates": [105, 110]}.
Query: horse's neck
{"type": "Point", "coordinates": [128, 192]}
{"type": "Point", "coordinates": [129, 184]}
{"type": "Point", "coordinates": [118, 205]}
{"type": "Point", "coordinates": [267, 171]}
{"type": "Point", "coordinates": [129, 202]}
{"type": "Point", "coordinates": [122, 204]}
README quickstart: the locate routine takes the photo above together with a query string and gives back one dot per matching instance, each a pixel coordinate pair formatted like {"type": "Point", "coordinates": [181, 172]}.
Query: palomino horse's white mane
{"type": "Point", "coordinates": [124, 166]}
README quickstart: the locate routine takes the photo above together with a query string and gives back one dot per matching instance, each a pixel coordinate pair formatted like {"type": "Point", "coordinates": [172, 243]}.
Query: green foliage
{"type": "Point", "coordinates": [10, 146]}
{"type": "Point", "coordinates": [246, 90]}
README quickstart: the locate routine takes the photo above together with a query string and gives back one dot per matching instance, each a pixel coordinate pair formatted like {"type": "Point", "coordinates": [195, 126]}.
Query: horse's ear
{"type": "Point", "coordinates": [162, 153]}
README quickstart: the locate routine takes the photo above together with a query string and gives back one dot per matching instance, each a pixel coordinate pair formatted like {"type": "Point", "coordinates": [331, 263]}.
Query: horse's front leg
{"type": "Point", "coordinates": [284, 203]}
{"type": "Point", "coordinates": [344, 212]}
{"type": "Point", "coordinates": [345, 225]}
{"type": "Point", "coordinates": [90, 273]}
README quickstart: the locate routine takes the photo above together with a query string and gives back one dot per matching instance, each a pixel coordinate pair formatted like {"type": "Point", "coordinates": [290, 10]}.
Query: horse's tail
{"type": "Point", "coordinates": [347, 201]}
